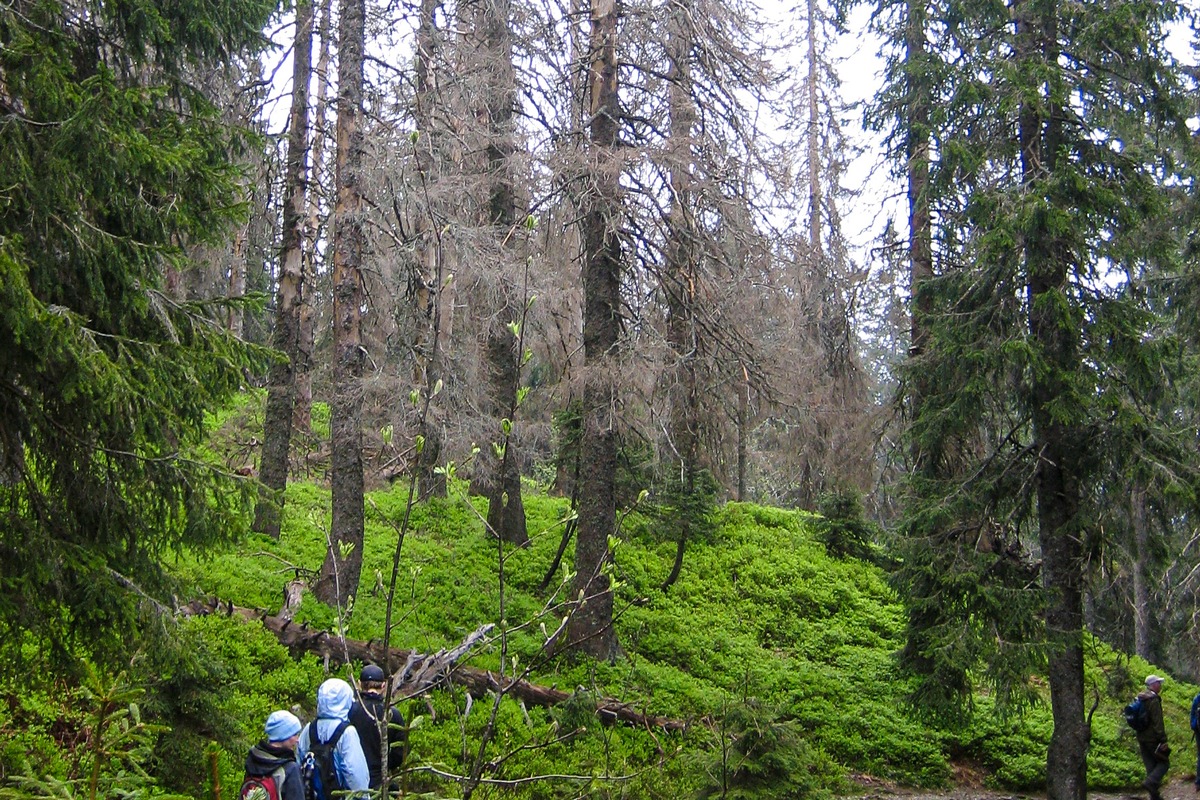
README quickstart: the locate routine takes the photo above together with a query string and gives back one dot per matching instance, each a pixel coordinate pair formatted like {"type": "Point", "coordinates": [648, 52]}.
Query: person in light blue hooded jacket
{"type": "Point", "coordinates": [334, 699]}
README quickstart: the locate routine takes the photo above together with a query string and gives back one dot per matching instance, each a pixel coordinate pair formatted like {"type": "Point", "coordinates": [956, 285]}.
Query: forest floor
{"type": "Point", "coordinates": [1175, 790]}
{"type": "Point", "coordinates": [970, 787]}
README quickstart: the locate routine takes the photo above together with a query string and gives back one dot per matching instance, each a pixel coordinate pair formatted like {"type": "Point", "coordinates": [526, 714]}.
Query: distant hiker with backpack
{"type": "Point", "coordinates": [1194, 719]}
{"type": "Point", "coordinates": [366, 715]}
{"type": "Point", "coordinates": [271, 769]}
{"type": "Point", "coordinates": [1152, 739]}
{"type": "Point", "coordinates": [329, 750]}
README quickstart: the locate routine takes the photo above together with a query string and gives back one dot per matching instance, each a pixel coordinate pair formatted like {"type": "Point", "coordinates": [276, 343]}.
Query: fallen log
{"type": "Point", "coordinates": [419, 672]}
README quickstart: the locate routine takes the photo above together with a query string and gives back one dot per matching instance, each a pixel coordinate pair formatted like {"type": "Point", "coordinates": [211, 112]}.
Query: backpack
{"type": "Point", "coordinates": [1137, 715]}
{"type": "Point", "coordinates": [1195, 718]}
{"type": "Point", "coordinates": [262, 787]}
{"type": "Point", "coordinates": [320, 776]}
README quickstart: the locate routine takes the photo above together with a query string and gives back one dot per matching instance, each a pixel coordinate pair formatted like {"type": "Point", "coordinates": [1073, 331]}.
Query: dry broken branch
{"type": "Point", "coordinates": [422, 672]}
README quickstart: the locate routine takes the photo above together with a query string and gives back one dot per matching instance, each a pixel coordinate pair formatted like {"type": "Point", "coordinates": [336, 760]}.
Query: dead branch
{"type": "Point", "coordinates": [420, 672]}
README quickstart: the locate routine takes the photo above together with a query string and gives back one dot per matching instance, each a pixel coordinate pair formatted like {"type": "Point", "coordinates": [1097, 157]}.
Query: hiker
{"type": "Point", "coordinates": [332, 727]}
{"type": "Point", "coordinates": [366, 714]}
{"type": "Point", "coordinates": [1152, 741]}
{"type": "Point", "coordinates": [271, 768]}
{"type": "Point", "coordinates": [1194, 721]}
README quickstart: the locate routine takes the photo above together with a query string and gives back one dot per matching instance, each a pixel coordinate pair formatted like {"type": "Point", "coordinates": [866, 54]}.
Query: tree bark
{"type": "Point", "coordinates": [1141, 573]}
{"type": "Point", "coordinates": [338, 579]}
{"type": "Point", "coordinates": [277, 419]}
{"type": "Point", "coordinates": [590, 630]}
{"type": "Point", "coordinates": [743, 432]}
{"type": "Point", "coordinates": [506, 510]}
{"type": "Point", "coordinates": [920, 251]}
{"type": "Point", "coordinates": [302, 407]}
{"type": "Point", "coordinates": [815, 201]}
{"type": "Point", "coordinates": [682, 273]}
{"type": "Point", "coordinates": [237, 280]}
{"type": "Point", "coordinates": [432, 482]}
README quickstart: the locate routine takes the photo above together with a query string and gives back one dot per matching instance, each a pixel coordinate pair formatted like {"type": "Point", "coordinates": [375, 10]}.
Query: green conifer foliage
{"type": "Point", "coordinates": [110, 164]}
{"type": "Point", "coordinates": [1059, 136]}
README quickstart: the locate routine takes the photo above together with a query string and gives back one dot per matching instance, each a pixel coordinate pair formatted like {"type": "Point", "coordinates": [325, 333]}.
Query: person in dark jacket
{"type": "Point", "coordinates": [278, 749]}
{"type": "Point", "coordinates": [366, 714]}
{"type": "Point", "coordinates": [1152, 741]}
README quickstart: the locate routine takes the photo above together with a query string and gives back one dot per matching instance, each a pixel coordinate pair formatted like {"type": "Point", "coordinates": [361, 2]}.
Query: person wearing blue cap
{"type": "Point", "coordinates": [271, 768]}
{"type": "Point", "coordinates": [371, 715]}
{"type": "Point", "coordinates": [332, 730]}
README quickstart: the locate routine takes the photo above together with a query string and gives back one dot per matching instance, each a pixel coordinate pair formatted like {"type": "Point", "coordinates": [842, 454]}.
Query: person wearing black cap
{"type": "Point", "coordinates": [368, 714]}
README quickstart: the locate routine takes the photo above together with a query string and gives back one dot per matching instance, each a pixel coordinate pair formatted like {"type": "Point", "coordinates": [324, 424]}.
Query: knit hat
{"type": "Point", "coordinates": [372, 674]}
{"type": "Point", "coordinates": [1153, 679]}
{"type": "Point", "coordinates": [281, 725]}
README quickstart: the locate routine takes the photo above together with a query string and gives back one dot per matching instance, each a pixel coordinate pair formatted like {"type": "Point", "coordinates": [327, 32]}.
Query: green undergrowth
{"type": "Point", "coordinates": [777, 656]}
{"type": "Point", "coordinates": [762, 625]}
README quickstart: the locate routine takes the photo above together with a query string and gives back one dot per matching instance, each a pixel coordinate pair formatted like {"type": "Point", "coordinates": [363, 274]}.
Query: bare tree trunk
{"type": "Point", "coordinates": [682, 272]}
{"type": "Point", "coordinates": [591, 626]}
{"type": "Point", "coordinates": [277, 419]}
{"type": "Point", "coordinates": [431, 481]}
{"type": "Point", "coordinates": [814, 157]}
{"type": "Point", "coordinates": [920, 251]}
{"type": "Point", "coordinates": [302, 407]}
{"type": "Point", "coordinates": [506, 511]}
{"type": "Point", "coordinates": [743, 431]}
{"type": "Point", "coordinates": [237, 279]}
{"type": "Point", "coordinates": [1141, 570]}
{"type": "Point", "coordinates": [338, 579]}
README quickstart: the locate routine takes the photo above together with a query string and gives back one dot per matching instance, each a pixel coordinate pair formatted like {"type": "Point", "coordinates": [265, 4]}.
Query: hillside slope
{"type": "Point", "coordinates": [766, 643]}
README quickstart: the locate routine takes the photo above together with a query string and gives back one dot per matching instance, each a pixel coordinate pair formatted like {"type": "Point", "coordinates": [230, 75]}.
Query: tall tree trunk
{"type": "Point", "coordinates": [743, 431]}
{"type": "Point", "coordinates": [1055, 441]}
{"type": "Point", "coordinates": [920, 251]}
{"type": "Point", "coordinates": [302, 407]}
{"type": "Point", "coordinates": [338, 579]}
{"type": "Point", "coordinates": [277, 420]}
{"type": "Point", "coordinates": [429, 255]}
{"type": "Point", "coordinates": [925, 463]}
{"type": "Point", "coordinates": [237, 279]}
{"type": "Point", "coordinates": [591, 626]}
{"type": "Point", "coordinates": [682, 273]}
{"type": "Point", "coordinates": [506, 510]}
{"type": "Point", "coordinates": [814, 155]}
{"type": "Point", "coordinates": [1141, 572]}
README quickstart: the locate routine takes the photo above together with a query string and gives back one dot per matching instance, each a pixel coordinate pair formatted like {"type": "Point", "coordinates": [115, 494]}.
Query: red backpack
{"type": "Point", "coordinates": [262, 787]}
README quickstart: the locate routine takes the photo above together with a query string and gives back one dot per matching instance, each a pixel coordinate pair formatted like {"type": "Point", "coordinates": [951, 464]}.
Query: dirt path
{"type": "Point", "coordinates": [1172, 791]}
{"type": "Point", "coordinates": [1176, 788]}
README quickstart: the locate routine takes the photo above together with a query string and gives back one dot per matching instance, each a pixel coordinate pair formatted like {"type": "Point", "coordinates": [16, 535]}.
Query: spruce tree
{"type": "Point", "coordinates": [113, 165]}
{"type": "Point", "coordinates": [1058, 133]}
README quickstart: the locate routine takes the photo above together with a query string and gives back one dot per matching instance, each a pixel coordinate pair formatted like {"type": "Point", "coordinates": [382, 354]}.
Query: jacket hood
{"type": "Point", "coordinates": [334, 699]}
{"type": "Point", "coordinates": [263, 759]}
